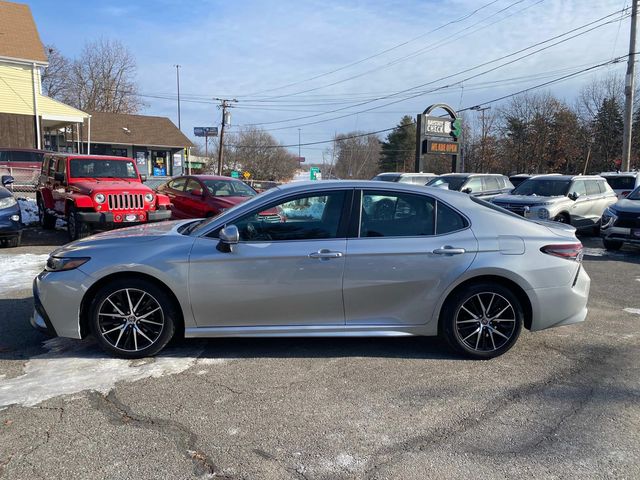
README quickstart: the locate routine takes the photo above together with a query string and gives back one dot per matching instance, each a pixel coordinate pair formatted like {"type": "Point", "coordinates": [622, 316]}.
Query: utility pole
{"type": "Point", "coordinates": [178, 82]}
{"type": "Point", "coordinates": [299, 150]}
{"type": "Point", "coordinates": [628, 90]}
{"type": "Point", "coordinates": [224, 105]}
{"type": "Point", "coordinates": [483, 137]}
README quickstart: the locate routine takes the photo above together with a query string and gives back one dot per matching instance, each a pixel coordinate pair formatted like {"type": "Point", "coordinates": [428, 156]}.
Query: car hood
{"type": "Point", "coordinates": [4, 193]}
{"type": "Point", "coordinates": [125, 237]}
{"type": "Point", "coordinates": [630, 206]}
{"type": "Point", "coordinates": [91, 185]}
{"type": "Point", "coordinates": [528, 199]}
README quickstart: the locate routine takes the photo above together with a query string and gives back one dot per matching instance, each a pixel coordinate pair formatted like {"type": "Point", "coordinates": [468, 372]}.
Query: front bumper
{"type": "Point", "coordinates": [559, 306]}
{"type": "Point", "coordinates": [619, 234]}
{"type": "Point", "coordinates": [108, 220]}
{"type": "Point", "coordinates": [9, 227]}
{"type": "Point", "coordinates": [57, 300]}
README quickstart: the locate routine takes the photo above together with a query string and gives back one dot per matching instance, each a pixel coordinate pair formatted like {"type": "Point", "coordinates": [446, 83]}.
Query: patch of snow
{"type": "Point", "coordinates": [72, 366]}
{"type": "Point", "coordinates": [18, 271]}
{"type": "Point", "coordinates": [595, 252]}
{"type": "Point", "coordinates": [633, 310]}
{"type": "Point", "coordinates": [28, 211]}
{"type": "Point", "coordinates": [313, 211]}
{"type": "Point", "coordinates": [61, 224]}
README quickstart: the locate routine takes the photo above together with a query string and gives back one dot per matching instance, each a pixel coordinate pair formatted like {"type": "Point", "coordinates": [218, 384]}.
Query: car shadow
{"type": "Point", "coordinates": [20, 341]}
{"type": "Point", "coordinates": [38, 236]}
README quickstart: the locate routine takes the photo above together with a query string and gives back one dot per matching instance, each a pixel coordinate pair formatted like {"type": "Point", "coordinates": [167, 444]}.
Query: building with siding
{"type": "Point", "coordinates": [25, 113]}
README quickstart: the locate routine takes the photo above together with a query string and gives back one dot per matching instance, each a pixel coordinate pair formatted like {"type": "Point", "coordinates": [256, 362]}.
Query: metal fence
{"type": "Point", "coordinates": [25, 178]}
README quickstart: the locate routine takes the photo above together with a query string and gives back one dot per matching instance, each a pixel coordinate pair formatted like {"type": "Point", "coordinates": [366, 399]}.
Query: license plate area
{"type": "Point", "coordinates": [131, 217]}
{"type": "Point", "coordinates": [635, 232]}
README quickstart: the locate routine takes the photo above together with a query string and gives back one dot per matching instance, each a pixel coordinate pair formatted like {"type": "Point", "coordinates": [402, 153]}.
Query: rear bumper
{"type": "Point", "coordinates": [559, 306]}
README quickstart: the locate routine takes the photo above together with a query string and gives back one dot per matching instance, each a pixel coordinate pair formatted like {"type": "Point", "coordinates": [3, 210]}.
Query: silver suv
{"type": "Point", "coordinates": [576, 200]}
{"type": "Point", "coordinates": [623, 183]}
{"type": "Point", "coordinates": [401, 177]}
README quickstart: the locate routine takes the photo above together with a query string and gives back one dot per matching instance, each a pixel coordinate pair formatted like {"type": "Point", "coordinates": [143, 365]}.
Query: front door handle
{"type": "Point", "coordinates": [449, 250]}
{"type": "Point", "coordinates": [324, 253]}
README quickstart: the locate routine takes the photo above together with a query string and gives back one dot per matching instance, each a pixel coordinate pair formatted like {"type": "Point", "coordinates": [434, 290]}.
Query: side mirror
{"type": "Point", "coordinates": [574, 196]}
{"type": "Point", "coordinates": [196, 192]}
{"type": "Point", "coordinates": [467, 190]}
{"type": "Point", "coordinates": [58, 177]}
{"type": "Point", "coordinates": [143, 178]}
{"type": "Point", "coordinates": [229, 235]}
{"type": "Point", "coordinates": [7, 180]}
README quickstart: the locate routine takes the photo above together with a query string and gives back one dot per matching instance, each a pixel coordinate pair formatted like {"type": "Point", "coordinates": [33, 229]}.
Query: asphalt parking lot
{"type": "Point", "coordinates": [563, 403]}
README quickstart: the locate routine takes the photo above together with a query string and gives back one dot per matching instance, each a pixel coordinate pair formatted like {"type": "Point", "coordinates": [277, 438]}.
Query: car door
{"type": "Point", "coordinates": [194, 204]}
{"type": "Point", "coordinates": [175, 191]}
{"type": "Point", "coordinates": [581, 206]}
{"type": "Point", "coordinates": [409, 248]}
{"type": "Point", "coordinates": [473, 186]}
{"type": "Point", "coordinates": [279, 274]}
{"type": "Point", "coordinates": [59, 187]}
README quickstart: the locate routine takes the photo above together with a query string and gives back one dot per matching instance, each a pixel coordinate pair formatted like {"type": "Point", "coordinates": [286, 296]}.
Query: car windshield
{"type": "Point", "coordinates": [455, 183]}
{"type": "Point", "coordinates": [515, 181]}
{"type": "Point", "coordinates": [621, 182]}
{"type": "Point", "coordinates": [543, 187]}
{"type": "Point", "coordinates": [98, 168]}
{"type": "Point", "coordinates": [229, 188]}
{"type": "Point", "coordinates": [635, 195]}
{"type": "Point", "coordinates": [386, 177]}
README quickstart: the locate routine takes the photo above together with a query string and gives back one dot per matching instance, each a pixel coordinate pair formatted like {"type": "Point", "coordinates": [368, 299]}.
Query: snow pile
{"type": "Point", "coordinates": [28, 210]}
{"type": "Point", "coordinates": [311, 212]}
{"type": "Point", "coordinates": [18, 271]}
{"type": "Point", "coordinates": [71, 366]}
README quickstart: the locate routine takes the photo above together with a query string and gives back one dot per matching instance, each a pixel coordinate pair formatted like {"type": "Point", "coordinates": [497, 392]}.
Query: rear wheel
{"type": "Point", "coordinates": [47, 220]}
{"type": "Point", "coordinates": [482, 321]}
{"type": "Point", "coordinates": [613, 245]}
{"type": "Point", "coordinates": [132, 318]}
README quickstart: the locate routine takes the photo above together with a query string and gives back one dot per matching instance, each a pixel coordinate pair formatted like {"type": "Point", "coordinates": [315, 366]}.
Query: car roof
{"type": "Point", "coordinates": [619, 174]}
{"type": "Point", "coordinates": [72, 156]}
{"type": "Point", "coordinates": [464, 175]}
{"type": "Point", "coordinates": [208, 177]}
{"type": "Point", "coordinates": [556, 176]}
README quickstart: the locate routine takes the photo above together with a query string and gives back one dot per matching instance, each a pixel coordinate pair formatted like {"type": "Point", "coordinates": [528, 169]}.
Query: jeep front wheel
{"type": "Point", "coordinates": [76, 228]}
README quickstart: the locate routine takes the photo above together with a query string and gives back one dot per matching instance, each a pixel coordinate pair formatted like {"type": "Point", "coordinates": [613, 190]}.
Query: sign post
{"type": "Point", "coordinates": [437, 135]}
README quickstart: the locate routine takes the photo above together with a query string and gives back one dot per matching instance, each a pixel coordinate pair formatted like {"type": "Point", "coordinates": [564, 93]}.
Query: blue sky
{"type": "Point", "coordinates": [239, 48]}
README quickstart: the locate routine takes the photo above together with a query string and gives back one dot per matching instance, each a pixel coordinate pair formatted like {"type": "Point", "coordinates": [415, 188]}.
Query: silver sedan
{"type": "Point", "coordinates": [341, 259]}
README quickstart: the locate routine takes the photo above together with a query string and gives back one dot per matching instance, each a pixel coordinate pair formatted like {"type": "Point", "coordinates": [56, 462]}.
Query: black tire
{"type": "Point", "coordinates": [119, 335]}
{"type": "Point", "coordinates": [562, 218]}
{"type": "Point", "coordinates": [47, 221]}
{"type": "Point", "coordinates": [613, 245]}
{"type": "Point", "coordinates": [477, 338]}
{"type": "Point", "coordinates": [76, 228]}
{"type": "Point", "coordinates": [13, 242]}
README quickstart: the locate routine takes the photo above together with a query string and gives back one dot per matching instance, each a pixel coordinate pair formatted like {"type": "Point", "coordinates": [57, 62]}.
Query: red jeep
{"type": "Point", "coordinates": [95, 192]}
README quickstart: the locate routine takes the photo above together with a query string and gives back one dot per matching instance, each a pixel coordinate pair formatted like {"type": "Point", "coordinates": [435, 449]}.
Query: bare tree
{"type": "Point", "coordinates": [103, 79]}
{"type": "Point", "coordinates": [55, 78]}
{"type": "Point", "coordinates": [357, 157]}
{"type": "Point", "coordinates": [593, 94]}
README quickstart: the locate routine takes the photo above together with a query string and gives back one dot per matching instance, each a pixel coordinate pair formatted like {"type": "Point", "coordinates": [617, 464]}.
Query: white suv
{"type": "Point", "coordinates": [623, 183]}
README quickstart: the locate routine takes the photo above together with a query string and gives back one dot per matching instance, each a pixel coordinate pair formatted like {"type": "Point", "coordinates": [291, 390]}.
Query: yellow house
{"type": "Point", "coordinates": [25, 113]}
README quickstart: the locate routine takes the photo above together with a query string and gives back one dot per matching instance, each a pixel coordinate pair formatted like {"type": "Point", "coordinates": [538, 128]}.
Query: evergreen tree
{"type": "Point", "coordinates": [607, 134]}
{"type": "Point", "coordinates": [399, 151]}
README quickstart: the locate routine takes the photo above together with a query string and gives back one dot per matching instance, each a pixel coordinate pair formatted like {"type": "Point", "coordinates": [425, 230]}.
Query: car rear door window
{"type": "Point", "coordinates": [387, 214]}
{"type": "Point", "coordinates": [304, 217]}
{"type": "Point", "coordinates": [592, 187]}
{"type": "Point", "coordinates": [491, 184]}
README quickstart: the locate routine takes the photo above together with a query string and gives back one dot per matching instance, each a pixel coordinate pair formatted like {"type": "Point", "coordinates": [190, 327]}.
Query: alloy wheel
{"type": "Point", "coordinates": [130, 319]}
{"type": "Point", "coordinates": [485, 322]}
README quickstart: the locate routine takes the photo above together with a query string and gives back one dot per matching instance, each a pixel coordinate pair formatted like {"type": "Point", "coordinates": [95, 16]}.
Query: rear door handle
{"type": "Point", "coordinates": [324, 253]}
{"type": "Point", "coordinates": [448, 250]}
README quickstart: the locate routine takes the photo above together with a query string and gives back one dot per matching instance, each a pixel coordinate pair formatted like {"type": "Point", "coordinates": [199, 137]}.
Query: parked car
{"type": "Point", "coordinates": [483, 185]}
{"type": "Point", "coordinates": [441, 263]}
{"type": "Point", "coordinates": [620, 223]}
{"type": "Point", "coordinates": [94, 192]}
{"type": "Point", "coordinates": [623, 183]}
{"type": "Point", "coordinates": [10, 217]}
{"type": "Point", "coordinates": [401, 177]}
{"type": "Point", "coordinates": [519, 178]}
{"type": "Point", "coordinates": [578, 200]}
{"type": "Point", "coordinates": [23, 164]}
{"type": "Point", "coordinates": [199, 196]}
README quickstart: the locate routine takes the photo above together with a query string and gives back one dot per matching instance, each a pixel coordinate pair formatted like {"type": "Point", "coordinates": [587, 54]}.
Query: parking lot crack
{"type": "Point", "coordinates": [185, 439]}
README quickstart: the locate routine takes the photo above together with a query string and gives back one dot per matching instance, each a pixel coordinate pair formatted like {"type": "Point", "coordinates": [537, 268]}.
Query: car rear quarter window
{"type": "Point", "coordinates": [387, 214]}
{"type": "Point", "coordinates": [448, 220]}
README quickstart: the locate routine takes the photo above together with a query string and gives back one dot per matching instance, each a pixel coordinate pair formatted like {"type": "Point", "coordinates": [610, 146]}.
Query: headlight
{"type": "Point", "coordinates": [59, 264]}
{"type": "Point", "coordinates": [7, 202]}
{"type": "Point", "coordinates": [608, 215]}
{"type": "Point", "coordinates": [543, 213]}
{"type": "Point", "coordinates": [148, 197]}
{"type": "Point", "coordinates": [100, 198]}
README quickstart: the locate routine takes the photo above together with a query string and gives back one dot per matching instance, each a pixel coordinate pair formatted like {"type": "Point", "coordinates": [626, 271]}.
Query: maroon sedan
{"type": "Point", "coordinates": [198, 196]}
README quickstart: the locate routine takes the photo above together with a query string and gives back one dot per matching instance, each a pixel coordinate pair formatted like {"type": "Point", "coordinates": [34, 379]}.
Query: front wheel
{"type": "Point", "coordinates": [76, 228]}
{"type": "Point", "coordinates": [482, 321]}
{"type": "Point", "coordinates": [132, 318]}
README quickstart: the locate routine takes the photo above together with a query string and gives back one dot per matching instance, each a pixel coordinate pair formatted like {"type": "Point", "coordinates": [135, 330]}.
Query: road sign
{"type": "Point", "coordinates": [301, 159]}
{"type": "Point", "coordinates": [205, 131]}
{"type": "Point", "coordinates": [235, 174]}
{"type": "Point", "coordinates": [314, 173]}
{"type": "Point", "coordinates": [246, 174]}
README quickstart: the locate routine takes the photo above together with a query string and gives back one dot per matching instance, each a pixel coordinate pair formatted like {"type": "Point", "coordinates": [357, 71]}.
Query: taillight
{"type": "Point", "coordinates": [570, 251]}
